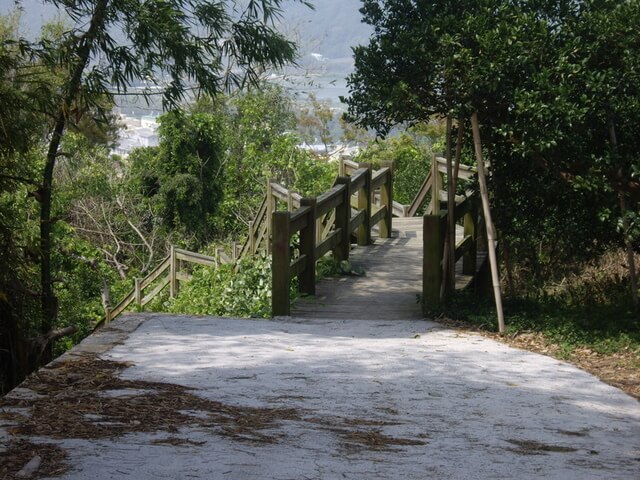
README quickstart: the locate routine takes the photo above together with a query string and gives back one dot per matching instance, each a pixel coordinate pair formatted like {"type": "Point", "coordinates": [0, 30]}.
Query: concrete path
{"type": "Point", "coordinates": [353, 399]}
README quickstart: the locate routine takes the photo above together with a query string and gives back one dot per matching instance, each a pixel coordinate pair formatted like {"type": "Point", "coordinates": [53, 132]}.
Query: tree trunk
{"type": "Point", "coordinates": [49, 304]}
{"type": "Point", "coordinates": [625, 224]}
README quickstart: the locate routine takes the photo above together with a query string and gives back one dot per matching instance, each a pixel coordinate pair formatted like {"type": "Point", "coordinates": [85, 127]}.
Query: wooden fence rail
{"type": "Point", "coordinates": [168, 272]}
{"type": "Point", "coordinates": [438, 170]}
{"type": "Point", "coordinates": [363, 184]}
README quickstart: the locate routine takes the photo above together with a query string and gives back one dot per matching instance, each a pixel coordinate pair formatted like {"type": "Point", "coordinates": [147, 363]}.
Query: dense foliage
{"type": "Point", "coordinates": [555, 85]}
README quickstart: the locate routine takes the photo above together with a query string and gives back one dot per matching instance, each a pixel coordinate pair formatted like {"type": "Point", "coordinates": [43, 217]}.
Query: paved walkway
{"type": "Point", "coordinates": [326, 399]}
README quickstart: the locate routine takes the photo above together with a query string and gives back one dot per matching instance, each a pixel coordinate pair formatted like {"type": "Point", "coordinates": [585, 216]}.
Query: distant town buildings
{"type": "Point", "coordinates": [136, 132]}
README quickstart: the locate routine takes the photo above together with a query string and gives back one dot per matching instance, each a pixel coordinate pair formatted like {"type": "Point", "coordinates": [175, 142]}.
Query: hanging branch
{"type": "Point", "coordinates": [484, 195]}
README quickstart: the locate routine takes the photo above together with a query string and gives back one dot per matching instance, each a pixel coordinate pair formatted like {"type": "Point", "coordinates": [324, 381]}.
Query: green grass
{"type": "Point", "coordinates": [604, 329]}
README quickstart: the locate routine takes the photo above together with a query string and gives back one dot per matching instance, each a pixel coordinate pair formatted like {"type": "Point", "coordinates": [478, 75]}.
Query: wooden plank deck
{"type": "Point", "coordinates": [389, 288]}
{"type": "Point", "coordinates": [391, 285]}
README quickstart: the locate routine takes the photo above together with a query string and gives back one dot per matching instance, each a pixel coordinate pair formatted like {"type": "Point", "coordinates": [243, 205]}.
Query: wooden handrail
{"type": "Point", "coordinates": [335, 237]}
{"type": "Point", "coordinates": [170, 263]}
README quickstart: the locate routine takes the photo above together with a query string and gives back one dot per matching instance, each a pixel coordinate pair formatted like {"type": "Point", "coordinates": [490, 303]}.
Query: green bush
{"type": "Point", "coordinates": [243, 291]}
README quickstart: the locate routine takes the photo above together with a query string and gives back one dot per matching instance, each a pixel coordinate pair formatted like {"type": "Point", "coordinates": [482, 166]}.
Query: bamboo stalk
{"type": "Point", "coordinates": [484, 195]}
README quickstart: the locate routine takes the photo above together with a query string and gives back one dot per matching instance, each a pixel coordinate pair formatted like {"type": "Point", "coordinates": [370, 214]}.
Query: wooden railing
{"type": "Point", "coordinates": [168, 273]}
{"type": "Point", "coordinates": [356, 203]}
{"type": "Point", "coordinates": [437, 172]}
{"type": "Point", "coordinates": [434, 285]}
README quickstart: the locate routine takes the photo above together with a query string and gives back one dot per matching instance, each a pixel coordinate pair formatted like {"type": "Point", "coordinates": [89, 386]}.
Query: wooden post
{"type": "Point", "coordinates": [320, 227]}
{"type": "Point", "coordinates": [469, 258]}
{"type": "Point", "coordinates": [436, 186]}
{"type": "Point", "coordinates": [343, 221]}
{"type": "Point", "coordinates": [289, 201]}
{"type": "Point", "coordinates": [234, 252]}
{"type": "Point", "coordinates": [138, 292]}
{"type": "Point", "coordinates": [491, 236]}
{"type": "Point", "coordinates": [307, 279]}
{"type": "Point", "coordinates": [173, 273]}
{"type": "Point", "coordinates": [386, 199]}
{"type": "Point", "coordinates": [252, 238]}
{"type": "Point", "coordinates": [432, 256]}
{"type": "Point", "coordinates": [364, 203]}
{"type": "Point", "coordinates": [107, 316]}
{"type": "Point", "coordinates": [269, 212]}
{"type": "Point", "coordinates": [341, 167]}
{"type": "Point", "coordinates": [280, 260]}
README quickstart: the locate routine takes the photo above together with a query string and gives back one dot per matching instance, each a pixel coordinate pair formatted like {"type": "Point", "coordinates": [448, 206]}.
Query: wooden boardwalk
{"type": "Point", "coordinates": [389, 288]}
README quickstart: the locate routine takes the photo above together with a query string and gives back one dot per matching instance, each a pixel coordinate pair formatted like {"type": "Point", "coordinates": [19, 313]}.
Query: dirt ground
{"type": "Point", "coordinates": [620, 369]}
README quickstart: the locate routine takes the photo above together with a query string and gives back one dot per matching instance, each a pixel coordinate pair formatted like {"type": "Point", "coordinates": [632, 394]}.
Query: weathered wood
{"type": "Point", "coordinates": [359, 179]}
{"type": "Point", "coordinates": [343, 221]}
{"type": "Point", "coordinates": [280, 260]}
{"type": "Point", "coordinates": [378, 217]}
{"type": "Point", "coordinates": [328, 224]}
{"type": "Point", "coordinates": [156, 272]}
{"type": "Point", "coordinates": [436, 186]}
{"type": "Point", "coordinates": [194, 257]}
{"type": "Point", "coordinates": [386, 196]}
{"type": "Point", "coordinates": [300, 218]}
{"type": "Point", "coordinates": [298, 265]}
{"type": "Point", "coordinates": [388, 289]}
{"type": "Point", "coordinates": [364, 203]}
{"type": "Point", "coordinates": [270, 208]}
{"type": "Point", "coordinates": [432, 270]}
{"type": "Point", "coordinates": [307, 278]}
{"type": "Point", "coordinates": [161, 286]}
{"type": "Point", "coordinates": [465, 172]}
{"type": "Point", "coordinates": [122, 306]}
{"type": "Point", "coordinates": [329, 243]}
{"type": "Point", "coordinates": [173, 270]}
{"type": "Point", "coordinates": [350, 166]}
{"type": "Point", "coordinates": [357, 220]}
{"type": "Point", "coordinates": [380, 177]}
{"type": "Point", "coordinates": [329, 200]}
{"type": "Point", "coordinates": [462, 247]}
{"type": "Point", "coordinates": [138, 291]}
{"type": "Point", "coordinates": [469, 258]}
{"type": "Point", "coordinates": [281, 193]}
{"type": "Point", "coordinates": [252, 238]}
{"type": "Point", "coordinates": [420, 197]}
{"type": "Point", "coordinates": [450, 248]}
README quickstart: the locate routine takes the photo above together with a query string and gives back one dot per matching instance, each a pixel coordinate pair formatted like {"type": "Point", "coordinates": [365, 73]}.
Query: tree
{"type": "Point", "coordinates": [549, 80]}
{"type": "Point", "coordinates": [179, 44]}
{"type": "Point", "coordinates": [314, 122]}
{"type": "Point", "coordinates": [182, 177]}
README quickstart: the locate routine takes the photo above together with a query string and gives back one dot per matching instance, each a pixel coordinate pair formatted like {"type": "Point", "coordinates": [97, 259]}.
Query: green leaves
{"type": "Point", "coordinates": [225, 290]}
